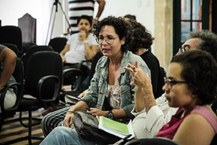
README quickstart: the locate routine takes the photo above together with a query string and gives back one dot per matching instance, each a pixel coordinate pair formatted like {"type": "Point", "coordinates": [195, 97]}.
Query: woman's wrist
{"type": "Point", "coordinates": [71, 110]}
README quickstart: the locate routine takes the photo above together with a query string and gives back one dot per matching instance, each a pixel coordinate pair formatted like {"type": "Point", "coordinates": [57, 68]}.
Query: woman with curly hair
{"type": "Point", "coordinates": [191, 86]}
{"type": "Point", "coordinates": [110, 93]}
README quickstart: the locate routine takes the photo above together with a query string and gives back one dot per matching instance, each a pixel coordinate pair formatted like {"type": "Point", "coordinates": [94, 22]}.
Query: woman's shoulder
{"type": "Point", "coordinates": [207, 113]}
{"type": "Point", "coordinates": [102, 61]}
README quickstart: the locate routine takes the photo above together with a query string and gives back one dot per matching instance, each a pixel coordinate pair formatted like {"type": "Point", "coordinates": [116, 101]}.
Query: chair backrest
{"type": "Point", "coordinates": [58, 43]}
{"type": "Point", "coordinates": [39, 65]}
{"type": "Point", "coordinates": [160, 84]}
{"type": "Point", "coordinates": [13, 47]}
{"type": "Point", "coordinates": [11, 34]}
{"type": "Point", "coordinates": [27, 24]}
{"type": "Point", "coordinates": [151, 141]}
{"type": "Point", "coordinates": [29, 52]}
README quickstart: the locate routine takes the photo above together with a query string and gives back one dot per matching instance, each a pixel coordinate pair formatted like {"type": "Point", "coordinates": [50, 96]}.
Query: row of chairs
{"type": "Point", "coordinates": [39, 82]}
{"type": "Point", "coordinates": [12, 36]}
{"type": "Point", "coordinates": [38, 74]}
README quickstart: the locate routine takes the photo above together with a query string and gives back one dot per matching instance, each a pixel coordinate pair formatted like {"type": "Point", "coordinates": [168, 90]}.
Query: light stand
{"type": "Point", "coordinates": [52, 19]}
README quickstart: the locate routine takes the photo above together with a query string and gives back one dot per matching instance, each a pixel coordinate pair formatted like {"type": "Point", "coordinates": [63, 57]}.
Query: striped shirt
{"type": "Point", "coordinates": [78, 8]}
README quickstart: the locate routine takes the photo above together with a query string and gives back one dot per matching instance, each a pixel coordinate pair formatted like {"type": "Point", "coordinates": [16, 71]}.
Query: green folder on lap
{"type": "Point", "coordinates": [114, 127]}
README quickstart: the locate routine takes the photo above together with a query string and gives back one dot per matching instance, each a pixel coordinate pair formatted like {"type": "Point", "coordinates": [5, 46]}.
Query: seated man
{"type": "Point", "coordinates": [7, 66]}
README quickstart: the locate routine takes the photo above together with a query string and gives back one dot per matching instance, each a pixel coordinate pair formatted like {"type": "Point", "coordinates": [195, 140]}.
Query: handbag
{"type": "Point", "coordinates": [86, 126]}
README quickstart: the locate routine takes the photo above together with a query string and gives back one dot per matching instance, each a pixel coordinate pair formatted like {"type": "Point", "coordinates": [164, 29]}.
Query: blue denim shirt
{"type": "Point", "coordinates": [99, 85]}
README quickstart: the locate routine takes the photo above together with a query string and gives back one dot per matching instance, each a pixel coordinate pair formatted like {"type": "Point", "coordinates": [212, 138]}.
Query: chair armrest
{"type": "Point", "coordinates": [76, 76]}
{"type": "Point", "coordinates": [42, 87]}
{"type": "Point", "coordinates": [17, 90]}
{"type": "Point", "coordinates": [72, 71]}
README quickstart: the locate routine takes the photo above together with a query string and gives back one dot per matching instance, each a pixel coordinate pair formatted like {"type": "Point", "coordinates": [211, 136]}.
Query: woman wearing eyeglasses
{"type": "Point", "coordinates": [110, 93]}
{"type": "Point", "coordinates": [188, 88]}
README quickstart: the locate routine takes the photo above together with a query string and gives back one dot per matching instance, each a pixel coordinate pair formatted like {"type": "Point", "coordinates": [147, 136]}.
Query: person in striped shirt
{"type": "Point", "coordinates": [83, 7]}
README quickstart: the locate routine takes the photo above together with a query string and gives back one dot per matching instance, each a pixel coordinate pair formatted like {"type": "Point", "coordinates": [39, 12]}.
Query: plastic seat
{"type": "Point", "coordinates": [31, 51]}
{"type": "Point", "coordinates": [58, 43]}
{"type": "Point", "coordinates": [11, 34]}
{"type": "Point", "coordinates": [13, 47]}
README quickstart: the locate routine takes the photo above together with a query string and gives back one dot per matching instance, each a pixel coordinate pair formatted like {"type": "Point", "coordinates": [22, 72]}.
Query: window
{"type": "Point", "coordinates": [189, 15]}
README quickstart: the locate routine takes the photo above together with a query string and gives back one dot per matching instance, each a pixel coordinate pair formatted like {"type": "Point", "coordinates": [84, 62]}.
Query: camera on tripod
{"type": "Point", "coordinates": [52, 19]}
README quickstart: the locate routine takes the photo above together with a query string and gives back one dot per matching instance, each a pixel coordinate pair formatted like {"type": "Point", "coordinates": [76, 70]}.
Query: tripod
{"type": "Point", "coordinates": [52, 19]}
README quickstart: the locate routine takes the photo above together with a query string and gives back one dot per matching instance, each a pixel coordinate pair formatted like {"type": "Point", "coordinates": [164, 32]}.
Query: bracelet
{"type": "Point", "coordinates": [110, 115]}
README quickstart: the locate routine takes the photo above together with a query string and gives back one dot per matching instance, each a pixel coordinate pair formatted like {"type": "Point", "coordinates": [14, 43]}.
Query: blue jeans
{"type": "Point", "coordinates": [62, 135]}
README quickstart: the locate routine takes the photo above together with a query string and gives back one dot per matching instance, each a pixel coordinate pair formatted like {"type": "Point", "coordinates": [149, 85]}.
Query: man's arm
{"type": "Point", "coordinates": [8, 57]}
{"type": "Point", "coordinates": [100, 8]}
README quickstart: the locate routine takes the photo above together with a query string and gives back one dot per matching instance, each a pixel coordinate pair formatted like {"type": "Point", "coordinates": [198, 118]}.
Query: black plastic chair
{"type": "Point", "coordinates": [58, 43]}
{"type": "Point", "coordinates": [11, 34]}
{"type": "Point", "coordinates": [13, 47]}
{"type": "Point", "coordinates": [151, 141]}
{"type": "Point", "coordinates": [36, 48]}
{"type": "Point", "coordinates": [43, 77]}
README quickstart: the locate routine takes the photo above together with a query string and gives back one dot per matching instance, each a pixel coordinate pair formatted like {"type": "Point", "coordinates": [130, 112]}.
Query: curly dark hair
{"type": "Point", "coordinates": [199, 69]}
{"type": "Point", "coordinates": [88, 18]}
{"type": "Point", "coordinates": [209, 43]}
{"type": "Point", "coordinates": [119, 25]}
{"type": "Point", "coordinates": [130, 17]}
{"type": "Point", "coordinates": [138, 37]}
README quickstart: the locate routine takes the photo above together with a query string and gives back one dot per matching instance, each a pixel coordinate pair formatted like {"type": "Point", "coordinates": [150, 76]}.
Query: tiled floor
{"type": "Point", "coordinates": [13, 130]}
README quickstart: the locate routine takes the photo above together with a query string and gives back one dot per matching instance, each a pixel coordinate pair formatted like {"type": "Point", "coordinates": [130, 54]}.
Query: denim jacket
{"type": "Point", "coordinates": [99, 85]}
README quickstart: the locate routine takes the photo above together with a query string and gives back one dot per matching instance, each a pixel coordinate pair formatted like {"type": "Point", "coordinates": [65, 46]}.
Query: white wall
{"type": "Point", "coordinates": [11, 10]}
{"type": "Point", "coordinates": [143, 9]}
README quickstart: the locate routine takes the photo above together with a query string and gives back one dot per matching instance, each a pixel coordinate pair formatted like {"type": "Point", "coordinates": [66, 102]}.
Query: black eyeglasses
{"type": "Point", "coordinates": [185, 48]}
{"type": "Point", "coordinates": [108, 39]}
{"type": "Point", "coordinates": [171, 82]}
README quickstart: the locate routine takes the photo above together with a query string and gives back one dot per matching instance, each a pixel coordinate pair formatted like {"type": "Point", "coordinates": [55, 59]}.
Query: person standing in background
{"type": "Point", "coordinates": [81, 7]}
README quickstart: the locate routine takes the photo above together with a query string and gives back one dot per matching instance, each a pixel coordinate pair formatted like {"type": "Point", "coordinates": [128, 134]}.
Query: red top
{"type": "Point", "coordinates": [169, 129]}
